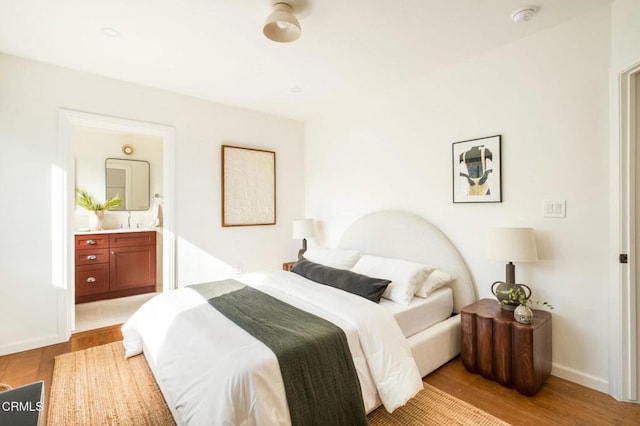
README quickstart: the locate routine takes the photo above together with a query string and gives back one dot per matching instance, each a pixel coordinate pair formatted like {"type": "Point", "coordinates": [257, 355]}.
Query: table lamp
{"type": "Point", "coordinates": [511, 245]}
{"type": "Point", "coordinates": [303, 228]}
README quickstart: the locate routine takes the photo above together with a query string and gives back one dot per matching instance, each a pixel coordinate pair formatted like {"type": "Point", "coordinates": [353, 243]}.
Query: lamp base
{"type": "Point", "coordinates": [303, 249]}
{"type": "Point", "coordinates": [508, 292]}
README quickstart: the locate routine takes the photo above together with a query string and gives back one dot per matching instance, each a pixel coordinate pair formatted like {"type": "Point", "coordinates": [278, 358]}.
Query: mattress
{"type": "Point", "coordinates": [421, 313]}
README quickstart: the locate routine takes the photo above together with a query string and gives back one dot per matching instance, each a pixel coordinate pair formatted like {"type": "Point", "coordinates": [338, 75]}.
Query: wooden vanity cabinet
{"type": "Point", "coordinates": [115, 265]}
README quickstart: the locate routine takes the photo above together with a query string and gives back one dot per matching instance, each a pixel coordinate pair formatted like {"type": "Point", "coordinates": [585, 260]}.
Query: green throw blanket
{"type": "Point", "coordinates": [319, 377]}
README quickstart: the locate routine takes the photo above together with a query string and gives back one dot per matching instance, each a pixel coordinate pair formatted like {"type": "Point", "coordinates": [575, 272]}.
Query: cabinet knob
{"type": "Point", "coordinates": [91, 280]}
{"type": "Point", "coordinates": [91, 242]}
{"type": "Point", "coordinates": [92, 257]}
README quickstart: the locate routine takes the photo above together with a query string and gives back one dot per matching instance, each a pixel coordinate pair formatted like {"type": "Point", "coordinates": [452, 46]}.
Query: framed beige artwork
{"type": "Point", "coordinates": [248, 186]}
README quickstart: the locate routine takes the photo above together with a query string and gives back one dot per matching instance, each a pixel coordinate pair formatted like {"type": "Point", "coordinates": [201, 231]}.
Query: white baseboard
{"type": "Point", "coordinates": [580, 378]}
{"type": "Point", "coordinates": [26, 345]}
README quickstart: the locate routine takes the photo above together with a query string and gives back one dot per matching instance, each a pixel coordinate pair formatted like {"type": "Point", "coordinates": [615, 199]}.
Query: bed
{"type": "Point", "coordinates": [202, 382]}
{"type": "Point", "coordinates": [402, 235]}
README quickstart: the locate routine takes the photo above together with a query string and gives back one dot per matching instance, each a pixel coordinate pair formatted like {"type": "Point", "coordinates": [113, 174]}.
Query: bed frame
{"type": "Point", "coordinates": [407, 236]}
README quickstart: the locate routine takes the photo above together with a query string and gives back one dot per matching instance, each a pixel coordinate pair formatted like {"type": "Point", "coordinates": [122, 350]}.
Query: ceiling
{"type": "Point", "coordinates": [215, 49]}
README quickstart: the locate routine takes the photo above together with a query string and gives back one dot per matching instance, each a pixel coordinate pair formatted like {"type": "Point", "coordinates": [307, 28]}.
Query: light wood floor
{"type": "Point", "coordinates": [559, 402]}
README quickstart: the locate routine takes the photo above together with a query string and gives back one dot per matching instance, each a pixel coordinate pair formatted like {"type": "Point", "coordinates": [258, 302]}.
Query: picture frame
{"type": "Point", "coordinates": [477, 170]}
{"type": "Point", "coordinates": [248, 186]}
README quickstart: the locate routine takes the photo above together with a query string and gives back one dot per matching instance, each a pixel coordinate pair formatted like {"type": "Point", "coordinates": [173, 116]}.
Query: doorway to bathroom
{"type": "Point", "coordinates": [117, 262]}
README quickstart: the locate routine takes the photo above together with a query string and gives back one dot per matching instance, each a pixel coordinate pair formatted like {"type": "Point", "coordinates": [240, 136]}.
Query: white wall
{"type": "Point", "coordinates": [31, 95]}
{"type": "Point", "coordinates": [547, 95]}
{"type": "Point", "coordinates": [625, 34]}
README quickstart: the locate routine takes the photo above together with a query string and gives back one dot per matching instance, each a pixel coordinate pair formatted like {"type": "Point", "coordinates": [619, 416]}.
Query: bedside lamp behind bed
{"type": "Point", "coordinates": [303, 229]}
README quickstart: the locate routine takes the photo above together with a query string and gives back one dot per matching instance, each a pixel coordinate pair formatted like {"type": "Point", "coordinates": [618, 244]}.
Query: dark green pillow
{"type": "Point", "coordinates": [362, 285]}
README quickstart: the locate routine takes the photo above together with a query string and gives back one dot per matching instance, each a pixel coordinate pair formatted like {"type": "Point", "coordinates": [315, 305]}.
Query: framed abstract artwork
{"type": "Point", "coordinates": [248, 186]}
{"type": "Point", "coordinates": [477, 171]}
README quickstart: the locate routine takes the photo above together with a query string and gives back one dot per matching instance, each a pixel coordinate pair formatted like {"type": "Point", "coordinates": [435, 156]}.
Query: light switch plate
{"type": "Point", "coordinates": [555, 208]}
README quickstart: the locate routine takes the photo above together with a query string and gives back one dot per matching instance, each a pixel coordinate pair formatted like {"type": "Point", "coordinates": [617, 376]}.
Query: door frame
{"type": "Point", "coordinates": [67, 120]}
{"type": "Point", "coordinates": [623, 305]}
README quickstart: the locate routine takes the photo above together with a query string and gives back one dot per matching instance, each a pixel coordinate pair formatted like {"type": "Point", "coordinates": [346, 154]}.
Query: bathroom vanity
{"type": "Point", "coordinates": [112, 264]}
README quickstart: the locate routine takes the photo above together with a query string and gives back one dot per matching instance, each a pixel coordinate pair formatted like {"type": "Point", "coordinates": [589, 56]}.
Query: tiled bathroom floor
{"type": "Point", "coordinates": [108, 312]}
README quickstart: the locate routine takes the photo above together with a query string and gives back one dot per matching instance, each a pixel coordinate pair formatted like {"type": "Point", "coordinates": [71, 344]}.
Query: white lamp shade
{"type": "Point", "coordinates": [303, 228]}
{"type": "Point", "coordinates": [281, 25]}
{"type": "Point", "coordinates": [512, 245]}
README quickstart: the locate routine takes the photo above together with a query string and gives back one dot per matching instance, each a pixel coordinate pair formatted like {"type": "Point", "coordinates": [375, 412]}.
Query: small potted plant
{"type": "Point", "coordinates": [84, 200]}
{"type": "Point", "coordinates": [523, 313]}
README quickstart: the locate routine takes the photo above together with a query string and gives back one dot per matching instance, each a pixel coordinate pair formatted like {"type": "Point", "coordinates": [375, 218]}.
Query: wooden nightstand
{"type": "Point", "coordinates": [499, 348]}
{"type": "Point", "coordinates": [288, 266]}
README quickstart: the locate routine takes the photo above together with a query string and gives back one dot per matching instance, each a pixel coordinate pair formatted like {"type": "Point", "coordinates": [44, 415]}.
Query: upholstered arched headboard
{"type": "Point", "coordinates": [403, 235]}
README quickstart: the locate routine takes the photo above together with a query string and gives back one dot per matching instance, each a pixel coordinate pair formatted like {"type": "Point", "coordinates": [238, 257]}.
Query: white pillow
{"type": "Point", "coordinates": [336, 258]}
{"type": "Point", "coordinates": [434, 281]}
{"type": "Point", "coordinates": [406, 277]}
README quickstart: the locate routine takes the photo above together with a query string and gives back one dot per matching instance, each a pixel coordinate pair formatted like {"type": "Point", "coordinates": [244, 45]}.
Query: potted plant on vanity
{"type": "Point", "coordinates": [84, 200]}
{"type": "Point", "coordinates": [523, 312]}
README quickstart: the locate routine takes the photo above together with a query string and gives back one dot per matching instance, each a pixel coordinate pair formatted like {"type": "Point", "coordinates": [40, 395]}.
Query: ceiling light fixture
{"type": "Point", "coordinates": [524, 14]}
{"type": "Point", "coordinates": [110, 32]}
{"type": "Point", "coordinates": [281, 25]}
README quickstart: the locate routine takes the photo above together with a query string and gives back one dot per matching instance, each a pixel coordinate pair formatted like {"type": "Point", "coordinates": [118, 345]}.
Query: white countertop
{"type": "Point", "coordinates": [114, 231]}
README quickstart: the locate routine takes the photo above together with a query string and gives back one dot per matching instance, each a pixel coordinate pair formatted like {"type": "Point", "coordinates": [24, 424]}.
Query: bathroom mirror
{"type": "Point", "coordinates": [129, 179]}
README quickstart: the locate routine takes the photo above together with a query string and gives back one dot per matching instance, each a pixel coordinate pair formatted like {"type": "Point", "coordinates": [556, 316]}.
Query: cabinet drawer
{"type": "Point", "coordinates": [91, 257]}
{"type": "Point", "coordinates": [128, 239]}
{"type": "Point", "coordinates": [92, 279]}
{"type": "Point", "coordinates": [90, 241]}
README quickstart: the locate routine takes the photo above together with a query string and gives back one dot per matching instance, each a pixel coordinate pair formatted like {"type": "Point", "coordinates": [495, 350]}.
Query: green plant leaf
{"type": "Point", "coordinates": [518, 295]}
{"type": "Point", "coordinates": [84, 200]}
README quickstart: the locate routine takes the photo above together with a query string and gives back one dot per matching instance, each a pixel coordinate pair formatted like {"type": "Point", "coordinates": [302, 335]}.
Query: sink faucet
{"type": "Point", "coordinates": [129, 219]}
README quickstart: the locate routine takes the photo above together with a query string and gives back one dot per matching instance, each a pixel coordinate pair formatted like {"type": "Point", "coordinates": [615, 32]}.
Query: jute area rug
{"type": "Point", "coordinates": [97, 386]}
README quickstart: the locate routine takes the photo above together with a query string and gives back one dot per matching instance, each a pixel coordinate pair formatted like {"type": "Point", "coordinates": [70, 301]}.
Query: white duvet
{"type": "Point", "coordinates": [213, 372]}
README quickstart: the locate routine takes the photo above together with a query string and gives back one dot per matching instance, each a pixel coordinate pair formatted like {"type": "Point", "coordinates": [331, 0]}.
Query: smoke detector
{"type": "Point", "coordinates": [524, 14]}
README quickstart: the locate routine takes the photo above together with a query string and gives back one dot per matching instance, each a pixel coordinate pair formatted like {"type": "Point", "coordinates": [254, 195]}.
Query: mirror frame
{"type": "Point", "coordinates": [148, 183]}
